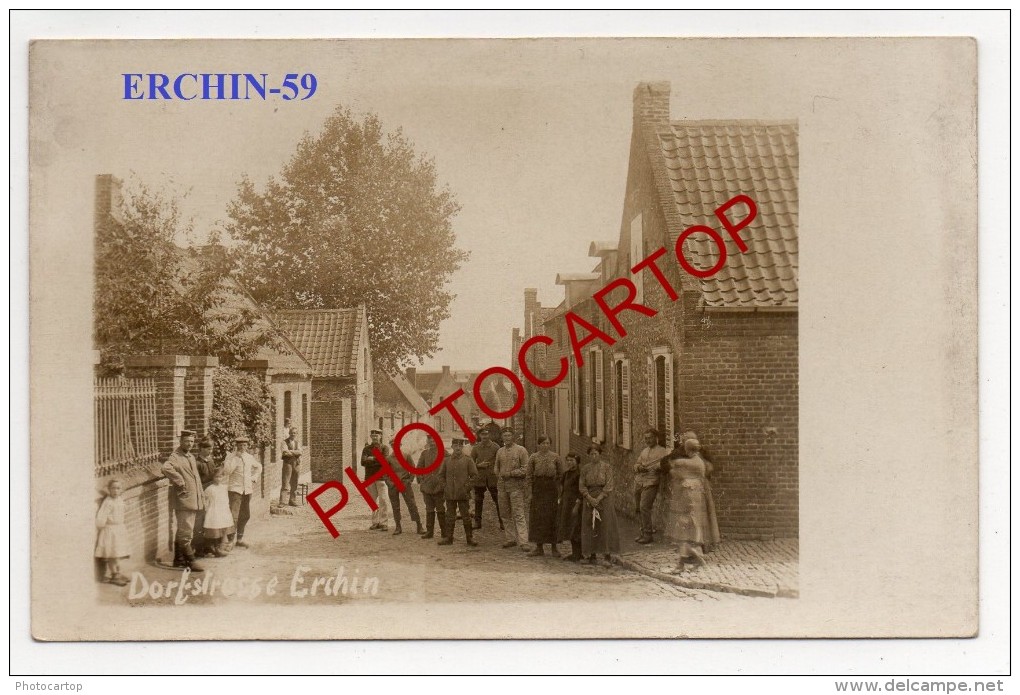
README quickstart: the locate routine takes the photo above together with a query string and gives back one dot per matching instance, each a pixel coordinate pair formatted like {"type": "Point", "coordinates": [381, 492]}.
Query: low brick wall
{"type": "Point", "coordinates": [147, 516]}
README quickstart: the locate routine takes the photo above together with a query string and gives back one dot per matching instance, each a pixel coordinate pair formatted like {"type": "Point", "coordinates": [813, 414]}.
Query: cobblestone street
{"type": "Point", "coordinates": [406, 567]}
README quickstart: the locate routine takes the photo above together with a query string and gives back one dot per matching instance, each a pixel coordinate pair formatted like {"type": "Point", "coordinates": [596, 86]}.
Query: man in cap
{"type": "Point", "coordinates": [182, 472]}
{"type": "Point", "coordinates": [432, 489]}
{"type": "Point", "coordinates": [514, 487]}
{"type": "Point", "coordinates": [646, 483]}
{"type": "Point", "coordinates": [407, 494]}
{"type": "Point", "coordinates": [458, 472]}
{"type": "Point", "coordinates": [483, 453]}
{"type": "Point", "coordinates": [378, 488]}
{"type": "Point", "coordinates": [243, 471]}
{"type": "Point", "coordinates": [207, 468]}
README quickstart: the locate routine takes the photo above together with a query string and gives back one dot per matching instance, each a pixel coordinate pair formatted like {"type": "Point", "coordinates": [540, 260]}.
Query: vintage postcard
{"type": "Point", "coordinates": [558, 338]}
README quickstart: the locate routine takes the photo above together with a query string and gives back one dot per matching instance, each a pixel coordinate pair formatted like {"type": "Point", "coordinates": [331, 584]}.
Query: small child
{"type": "Point", "coordinates": [219, 522]}
{"type": "Point", "coordinates": [111, 541]}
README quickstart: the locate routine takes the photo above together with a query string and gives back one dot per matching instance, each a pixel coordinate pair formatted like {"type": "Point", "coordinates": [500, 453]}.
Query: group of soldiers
{"type": "Point", "coordinates": [490, 468]}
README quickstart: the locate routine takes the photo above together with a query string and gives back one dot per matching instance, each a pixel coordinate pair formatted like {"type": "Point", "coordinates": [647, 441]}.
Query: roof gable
{"type": "Point", "coordinates": [396, 388]}
{"type": "Point", "coordinates": [329, 339]}
{"type": "Point", "coordinates": [281, 354]}
{"type": "Point", "coordinates": [706, 163]}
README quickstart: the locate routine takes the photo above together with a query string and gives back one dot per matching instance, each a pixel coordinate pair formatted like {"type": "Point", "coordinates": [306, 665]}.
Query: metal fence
{"type": "Point", "coordinates": [125, 420]}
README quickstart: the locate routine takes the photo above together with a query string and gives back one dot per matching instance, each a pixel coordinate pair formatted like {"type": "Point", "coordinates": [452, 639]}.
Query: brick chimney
{"type": "Point", "coordinates": [651, 104]}
{"type": "Point", "coordinates": [446, 369]}
{"type": "Point", "coordinates": [411, 373]}
{"type": "Point", "coordinates": [530, 311]}
{"type": "Point", "coordinates": [107, 201]}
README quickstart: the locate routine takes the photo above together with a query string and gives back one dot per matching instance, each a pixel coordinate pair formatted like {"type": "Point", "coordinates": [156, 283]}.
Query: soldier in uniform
{"type": "Point", "coordinates": [407, 494]}
{"type": "Point", "coordinates": [458, 473]}
{"type": "Point", "coordinates": [483, 453]}
{"type": "Point", "coordinates": [432, 485]}
{"type": "Point", "coordinates": [181, 470]}
{"type": "Point", "coordinates": [377, 489]}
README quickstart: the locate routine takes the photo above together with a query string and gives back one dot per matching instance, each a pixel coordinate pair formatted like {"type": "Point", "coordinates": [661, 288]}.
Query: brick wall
{"type": "Point", "coordinates": [198, 393]}
{"type": "Point", "coordinates": [331, 429]}
{"type": "Point", "coordinates": [738, 373]}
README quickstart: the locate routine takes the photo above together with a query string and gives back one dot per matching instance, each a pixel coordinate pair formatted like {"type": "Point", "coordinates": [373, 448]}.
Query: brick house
{"type": "Point", "coordinates": [434, 386]}
{"type": "Point", "coordinates": [335, 343]}
{"type": "Point", "coordinates": [722, 360]}
{"type": "Point", "coordinates": [397, 404]}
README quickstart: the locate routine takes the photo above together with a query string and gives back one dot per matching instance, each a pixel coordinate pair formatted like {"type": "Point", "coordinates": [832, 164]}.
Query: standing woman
{"type": "Point", "coordinates": [545, 470]}
{"type": "Point", "coordinates": [599, 532]}
{"type": "Point", "coordinates": [698, 529]}
{"type": "Point", "coordinates": [568, 527]}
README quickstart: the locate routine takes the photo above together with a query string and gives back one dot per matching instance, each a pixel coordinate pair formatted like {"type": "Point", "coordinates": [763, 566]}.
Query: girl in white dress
{"type": "Point", "coordinates": [219, 522]}
{"type": "Point", "coordinates": [111, 540]}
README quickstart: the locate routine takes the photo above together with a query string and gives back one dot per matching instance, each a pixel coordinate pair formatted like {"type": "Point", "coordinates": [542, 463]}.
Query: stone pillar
{"type": "Point", "coordinates": [169, 372]}
{"type": "Point", "coordinates": [198, 393]}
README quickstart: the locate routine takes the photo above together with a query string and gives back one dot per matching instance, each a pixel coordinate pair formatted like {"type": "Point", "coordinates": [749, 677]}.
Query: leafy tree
{"type": "Point", "coordinates": [154, 297]}
{"type": "Point", "coordinates": [356, 216]}
{"type": "Point", "coordinates": [241, 405]}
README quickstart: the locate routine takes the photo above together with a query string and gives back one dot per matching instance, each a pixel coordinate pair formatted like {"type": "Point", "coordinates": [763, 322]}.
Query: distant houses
{"type": "Point", "coordinates": [434, 386]}
{"type": "Point", "coordinates": [335, 343]}
{"type": "Point", "coordinates": [721, 360]}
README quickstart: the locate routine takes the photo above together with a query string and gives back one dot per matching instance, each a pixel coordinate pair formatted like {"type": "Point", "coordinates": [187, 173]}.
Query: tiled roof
{"type": "Point", "coordinates": [710, 162]}
{"type": "Point", "coordinates": [396, 389]}
{"type": "Point", "coordinates": [283, 356]}
{"type": "Point", "coordinates": [425, 383]}
{"type": "Point", "coordinates": [328, 338]}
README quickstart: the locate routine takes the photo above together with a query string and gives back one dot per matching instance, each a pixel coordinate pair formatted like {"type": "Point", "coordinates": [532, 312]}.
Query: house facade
{"type": "Point", "coordinates": [721, 359]}
{"type": "Point", "coordinates": [341, 408]}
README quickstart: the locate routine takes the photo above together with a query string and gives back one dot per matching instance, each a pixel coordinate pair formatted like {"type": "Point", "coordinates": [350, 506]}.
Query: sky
{"type": "Point", "coordinates": [531, 136]}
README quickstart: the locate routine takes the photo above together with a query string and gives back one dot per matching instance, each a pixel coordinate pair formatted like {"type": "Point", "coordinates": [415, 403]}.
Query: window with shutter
{"type": "Point", "coordinates": [572, 402]}
{"type": "Point", "coordinates": [650, 382]}
{"type": "Point", "coordinates": [586, 390]}
{"type": "Point", "coordinates": [625, 428]}
{"type": "Point", "coordinates": [598, 397]}
{"type": "Point", "coordinates": [663, 393]}
{"type": "Point", "coordinates": [616, 426]}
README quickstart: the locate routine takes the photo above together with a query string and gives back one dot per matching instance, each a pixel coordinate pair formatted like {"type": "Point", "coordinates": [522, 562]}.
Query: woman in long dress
{"type": "Point", "coordinates": [599, 531]}
{"type": "Point", "coordinates": [568, 525]}
{"type": "Point", "coordinates": [698, 530]}
{"type": "Point", "coordinates": [545, 470]}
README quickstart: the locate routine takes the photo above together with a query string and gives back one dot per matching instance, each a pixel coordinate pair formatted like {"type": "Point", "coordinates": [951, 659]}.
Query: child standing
{"type": "Point", "coordinates": [111, 541]}
{"type": "Point", "coordinates": [219, 522]}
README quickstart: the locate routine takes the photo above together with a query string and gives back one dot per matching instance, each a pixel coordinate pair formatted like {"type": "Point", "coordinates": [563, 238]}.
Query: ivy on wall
{"type": "Point", "coordinates": [242, 405]}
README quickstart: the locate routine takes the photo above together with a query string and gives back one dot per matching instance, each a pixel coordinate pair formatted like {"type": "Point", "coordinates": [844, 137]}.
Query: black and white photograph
{"type": "Point", "coordinates": [503, 338]}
